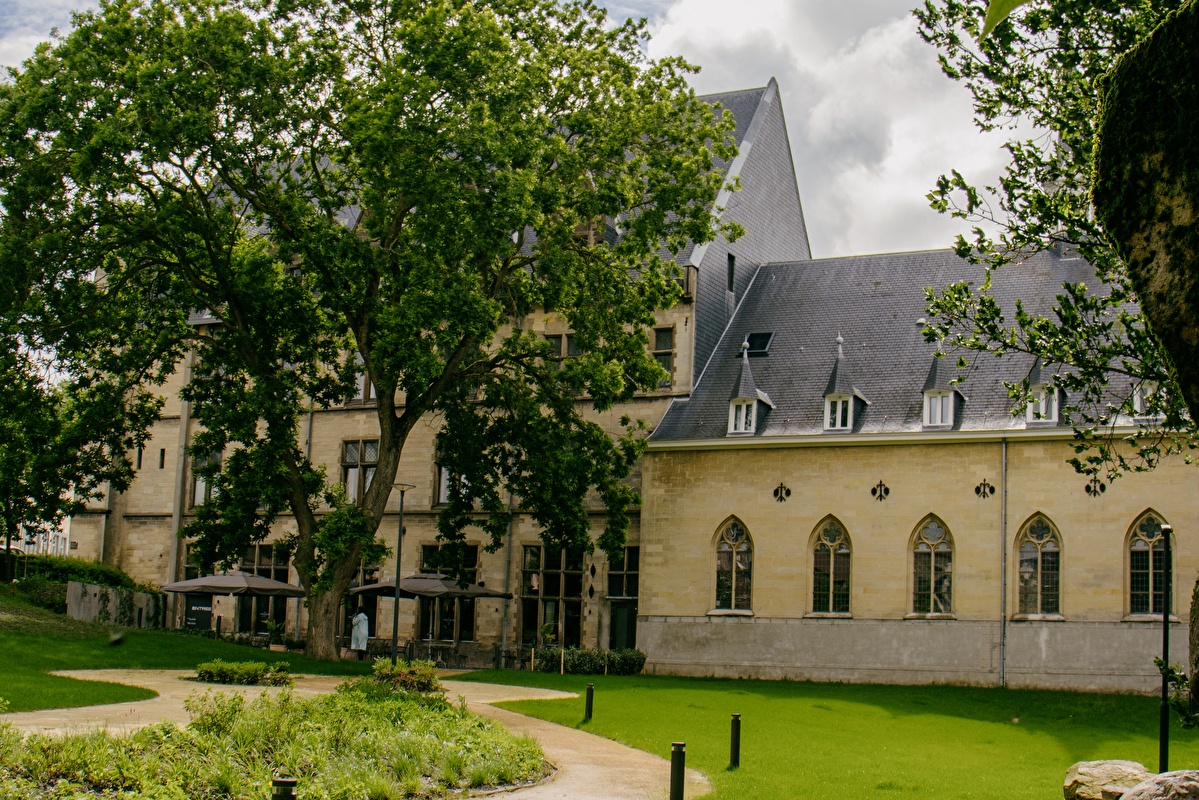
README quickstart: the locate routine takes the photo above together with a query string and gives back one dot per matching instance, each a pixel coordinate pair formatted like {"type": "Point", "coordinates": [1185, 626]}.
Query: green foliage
{"type": "Point", "coordinates": [244, 673]}
{"type": "Point", "coordinates": [340, 745]}
{"type": "Point", "coordinates": [1041, 70]}
{"type": "Point", "coordinates": [871, 741]}
{"type": "Point", "coordinates": [61, 569]}
{"type": "Point", "coordinates": [586, 661]}
{"type": "Point", "coordinates": [408, 676]}
{"type": "Point", "coordinates": [42, 593]}
{"type": "Point", "coordinates": [997, 12]}
{"type": "Point", "coordinates": [389, 188]}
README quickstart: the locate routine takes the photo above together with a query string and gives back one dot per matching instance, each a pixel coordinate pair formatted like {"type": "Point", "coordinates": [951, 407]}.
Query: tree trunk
{"type": "Point", "coordinates": [324, 609]}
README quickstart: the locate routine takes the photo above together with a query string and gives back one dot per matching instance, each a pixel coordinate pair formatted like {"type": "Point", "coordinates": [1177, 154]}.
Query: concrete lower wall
{"type": "Point", "coordinates": [125, 607]}
{"type": "Point", "coordinates": [1083, 656]}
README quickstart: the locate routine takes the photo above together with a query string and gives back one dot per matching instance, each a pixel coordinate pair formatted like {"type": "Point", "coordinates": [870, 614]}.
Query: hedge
{"type": "Point", "coordinates": [245, 673]}
{"type": "Point", "coordinates": [584, 661]}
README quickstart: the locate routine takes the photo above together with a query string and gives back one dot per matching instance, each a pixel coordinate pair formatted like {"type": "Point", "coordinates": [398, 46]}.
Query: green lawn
{"type": "Point", "coordinates": [34, 642]}
{"type": "Point", "coordinates": [824, 740]}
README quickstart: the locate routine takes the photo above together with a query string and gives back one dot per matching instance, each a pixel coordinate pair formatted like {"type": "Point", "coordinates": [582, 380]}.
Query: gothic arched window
{"type": "Point", "coordinates": [932, 569]}
{"type": "Point", "coordinates": [1039, 570]}
{"type": "Point", "coordinates": [1146, 566]}
{"type": "Point", "coordinates": [830, 570]}
{"type": "Point", "coordinates": [734, 568]}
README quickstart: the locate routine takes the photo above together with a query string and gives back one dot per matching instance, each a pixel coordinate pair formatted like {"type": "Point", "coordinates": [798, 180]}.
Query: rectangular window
{"type": "Point", "coordinates": [162, 458]}
{"type": "Point", "coordinates": [551, 592]}
{"type": "Point", "coordinates": [821, 580]}
{"type": "Point", "coordinates": [358, 460]}
{"type": "Point", "coordinates": [448, 619]}
{"type": "Point", "coordinates": [664, 353]}
{"type": "Point", "coordinates": [1043, 407]}
{"type": "Point", "coordinates": [938, 408]}
{"type": "Point", "coordinates": [732, 265]}
{"type": "Point", "coordinates": [258, 615]}
{"type": "Point", "coordinates": [836, 414]}
{"type": "Point", "coordinates": [623, 573]}
{"type": "Point", "coordinates": [140, 450]}
{"type": "Point", "coordinates": [202, 490]}
{"type": "Point", "coordinates": [741, 416]}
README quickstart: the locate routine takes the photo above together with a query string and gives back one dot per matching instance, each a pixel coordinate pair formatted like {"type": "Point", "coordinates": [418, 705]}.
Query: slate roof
{"type": "Point", "coordinates": [941, 374]}
{"type": "Point", "coordinates": [876, 303]}
{"type": "Point", "coordinates": [839, 381]}
{"type": "Point", "coordinates": [746, 389]}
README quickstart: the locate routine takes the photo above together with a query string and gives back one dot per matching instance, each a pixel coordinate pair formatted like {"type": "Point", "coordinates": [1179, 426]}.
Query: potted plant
{"type": "Point", "coordinates": [274, 636]}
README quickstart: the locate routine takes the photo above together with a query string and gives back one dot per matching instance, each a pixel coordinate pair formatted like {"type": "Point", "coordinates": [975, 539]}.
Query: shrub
{"type": "Point", "coordinates": [244, 673]}
{"type": "Point", "coordinates": [585, 661]}
{"type": "Point", "coordinates": [63, 569]}
{"type": "Point", "coordinates": [419, 677]}
{"type": "Point", "coordinates": [38, 591]}
{"type": "Point", "coordinates": [340, 746]}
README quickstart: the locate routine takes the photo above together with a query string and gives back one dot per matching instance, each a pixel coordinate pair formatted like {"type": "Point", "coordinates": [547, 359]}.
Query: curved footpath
{"type": "Point", "coordinates": [589, 767]}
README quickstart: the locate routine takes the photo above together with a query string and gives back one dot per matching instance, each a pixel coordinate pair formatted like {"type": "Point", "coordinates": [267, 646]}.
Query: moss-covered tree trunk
{"type": "Point", "coordinates": [1146, 194]}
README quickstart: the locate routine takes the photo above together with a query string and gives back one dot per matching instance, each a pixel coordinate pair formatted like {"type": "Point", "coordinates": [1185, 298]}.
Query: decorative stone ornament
{"type": "Point", "coordinates": [1102, 780]}
{"type": "Point", "coordinates": [1096, 487]}
{"type": "Point", "coordinates": [880, 492]}
{"type": "Point", "coordinates": [781, 492]}
{"type": "Point", "coordinates": [984, 489]}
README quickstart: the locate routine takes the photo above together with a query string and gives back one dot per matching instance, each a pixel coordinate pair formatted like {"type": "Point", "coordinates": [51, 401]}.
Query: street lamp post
{"type": "Point", "coordinates": [395, 613]}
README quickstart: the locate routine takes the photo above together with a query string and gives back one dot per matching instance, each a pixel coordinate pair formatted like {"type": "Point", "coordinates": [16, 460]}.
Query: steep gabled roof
{"type": "Point", "coordinates": [877, 303]}
{"type": "Point", "coordinates": [746, 388]}
{"type": "Point", "coordinates": [941, 375]}
{"type": "Point", "coordinates": [839, 381]}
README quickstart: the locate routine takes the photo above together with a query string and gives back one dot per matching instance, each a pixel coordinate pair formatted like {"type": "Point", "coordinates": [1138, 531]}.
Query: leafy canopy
{"type": "Point", "coordinates": [1037, 73]}
{"type": "Point", "coordinates": [352, 187]}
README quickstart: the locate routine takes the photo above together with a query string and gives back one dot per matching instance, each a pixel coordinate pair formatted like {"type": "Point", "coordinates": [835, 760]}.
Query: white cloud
{"type": "Point", "coordinates": [872, 120]}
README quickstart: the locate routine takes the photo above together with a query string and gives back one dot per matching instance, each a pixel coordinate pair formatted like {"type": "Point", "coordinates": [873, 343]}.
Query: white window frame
{"type": "Point", "coordinates": [1142, 397]}
{"type": "Point", "coordinates": [1044, 404]}
{"type": "Point", "coordinates": [742, 416]}
{"type": "Point", "coordinates": [939, 408]}
{"type": "Point", "coordinates": [832, 417]}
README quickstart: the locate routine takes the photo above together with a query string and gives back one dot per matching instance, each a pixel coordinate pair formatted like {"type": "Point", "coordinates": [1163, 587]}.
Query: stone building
{"type": "Point", "coordinates": [820, 498]}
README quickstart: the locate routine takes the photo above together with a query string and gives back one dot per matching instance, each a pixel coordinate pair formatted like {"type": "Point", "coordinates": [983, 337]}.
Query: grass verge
{"type": "Point", "coordinates": [815, 741]}
{"type": "Point", "coordinates": [34, 642]}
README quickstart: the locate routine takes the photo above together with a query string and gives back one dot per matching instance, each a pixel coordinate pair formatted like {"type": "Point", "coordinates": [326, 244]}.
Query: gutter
{"type": "Point", "coordinates": [857, 439]}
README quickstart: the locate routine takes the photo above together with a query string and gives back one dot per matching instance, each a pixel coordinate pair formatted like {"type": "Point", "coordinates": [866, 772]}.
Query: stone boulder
{"type": "Point", "coordinates": [1103, 780]}
{"type": "Point", "coordinates": [1182, 784]}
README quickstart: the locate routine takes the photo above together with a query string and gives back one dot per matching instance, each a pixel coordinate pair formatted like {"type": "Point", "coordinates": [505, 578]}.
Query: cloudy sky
{"type": "Point", "coordinates": [872, 120]}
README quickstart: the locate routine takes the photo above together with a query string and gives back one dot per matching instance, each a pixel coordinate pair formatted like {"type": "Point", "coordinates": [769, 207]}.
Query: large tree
{"type": "Point", "coordinates": [385, 188]}
{"type": "Point", "coordinates": [1039, 73]}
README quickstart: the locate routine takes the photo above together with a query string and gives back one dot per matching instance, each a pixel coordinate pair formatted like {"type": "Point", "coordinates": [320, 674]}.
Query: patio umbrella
{"type": "Point", "coordinates": [428, 585]}
{"type": "Point", "coordinates": [235, 583]}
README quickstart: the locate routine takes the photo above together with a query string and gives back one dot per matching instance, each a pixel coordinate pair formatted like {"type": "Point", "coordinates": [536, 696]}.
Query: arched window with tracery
{"type": "Point", "coordinates": [1146, 565]}
{"type": "Point", "coordinates": [1039, 570]}
{"type": "Point", "coordinates": [734, 568]}
{"type": "Point", "coordinates": [932, 569]}
{"type": "Point", "coordinates": [830, 569]}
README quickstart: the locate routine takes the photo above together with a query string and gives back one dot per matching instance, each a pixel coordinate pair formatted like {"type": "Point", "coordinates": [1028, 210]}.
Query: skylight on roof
{"type": "Point", "coordinates": [759, 343]}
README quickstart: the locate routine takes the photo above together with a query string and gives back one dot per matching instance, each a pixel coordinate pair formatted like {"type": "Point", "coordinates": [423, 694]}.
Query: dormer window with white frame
{"type": "Point", "coordinates": [838, 412]}
{"type": "Point", "coordinates": [742, 416]}
{"type": "Point", "coordinates": [1044, 404]}
{"type": "Point", "coordinates": [938, 408]}
{"type": "Point", "coordinates": [1143, 400]}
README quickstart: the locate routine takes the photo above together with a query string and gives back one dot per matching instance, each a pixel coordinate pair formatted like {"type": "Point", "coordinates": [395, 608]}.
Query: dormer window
{"type": "Point", "coordinates": [838, 412]}
{"type": "Point", "coordinates": [1044, 404]}
{"type": "Point", "coordinates": [742, 416]}
{"type": "Point", "coordinates": [1143, 400]}
{"type": "Point", "coordinates": [938, 408]}
{"type": "Point", "coordinates": [759, 343]}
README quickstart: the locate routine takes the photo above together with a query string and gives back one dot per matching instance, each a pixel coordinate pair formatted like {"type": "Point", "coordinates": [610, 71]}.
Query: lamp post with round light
{"type": "Point", "coordinates": [395, 613]}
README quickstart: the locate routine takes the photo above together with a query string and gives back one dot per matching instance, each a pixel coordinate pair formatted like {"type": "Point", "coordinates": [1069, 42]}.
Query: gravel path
{"type": "Point", "coordinates": [589, 767]}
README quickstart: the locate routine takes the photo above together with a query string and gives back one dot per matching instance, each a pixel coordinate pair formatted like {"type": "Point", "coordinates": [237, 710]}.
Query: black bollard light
{"type": "Point", "coordinates": [590, 702]}
{"type": "Point", "coordinates": [283, 789]}
{"type": "Point", "coordinates": [678, 769]}
{"type": "Point", "coordinates": [735, 742]}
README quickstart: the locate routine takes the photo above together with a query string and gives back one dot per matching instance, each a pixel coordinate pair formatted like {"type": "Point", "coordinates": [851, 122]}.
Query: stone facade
{"type": "Point", "coordinates": [983, 476]}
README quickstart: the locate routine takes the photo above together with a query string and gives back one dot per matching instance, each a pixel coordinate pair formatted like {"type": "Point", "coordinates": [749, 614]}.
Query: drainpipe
{"type": "Point", "coordinates": [1003, 567]}
{"type": "Point", "coordinates": [507, 587]}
